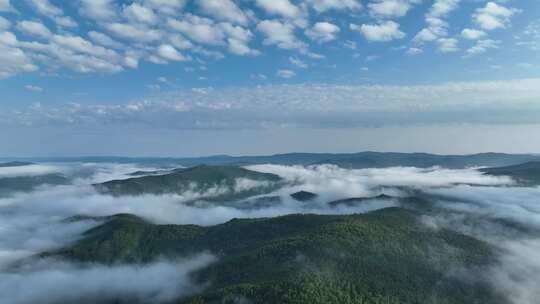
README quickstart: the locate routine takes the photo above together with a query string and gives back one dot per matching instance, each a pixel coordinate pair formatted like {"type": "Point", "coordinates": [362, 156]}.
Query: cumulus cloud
{"type": "Point", "coordinates": [223, 9]}
{"type": "Point", "coordinates": [4, 23]}
{"type": "Point", "coordinates": [483, 46]}
{"type": "Point", "coordinates": [323, 32]}
{"type": "Point", "coordinates": [46, 8]}
{"type": "Point", "coordinates": [34, 28]}
{"type": "Point", "coordinates": [139, 13]}
{"type": "Point", "coordinates": [282, 8]}
{"type": "Point", "coordinates": [326, 5]}
{"type": "Point", "coordinates": [170, 53]}
{"type": "Point", "coordinates": [448, 45]}
{"type": "Point", "coordinates": [5, 6]}
{"type": "Point", "coordinates": [98, 9]}
{"type": "Point", "coordinates": [391, 8]}
{"type": "Point", "coordinates": [437, 26]}
{"type": "Point", "coordinates": [493, 16]}
{"type": "Point", "coordinates": [472, 34]}
{"type": "Point", "coordinates": [280, 34]}
{"type": "Point", "coordinates": [382, 32]}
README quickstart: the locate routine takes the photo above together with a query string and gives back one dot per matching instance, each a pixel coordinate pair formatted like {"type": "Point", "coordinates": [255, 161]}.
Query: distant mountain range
{"type": "Point", "coordinates": [346, 160]}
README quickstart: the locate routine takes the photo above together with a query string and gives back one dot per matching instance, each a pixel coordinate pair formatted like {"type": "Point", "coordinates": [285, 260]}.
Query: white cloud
{"type": "Point", "coordinates": [382, 32]}
{"type": "Point", "coordinates": [279, 7]}
{"type": "Point", "coordinates": [14, 61]}
{"type": "Point", "coordinates": [4, 24]}
{"type": "Point", "coordinates": [390, 8]}
{"type": "Point", "coordinates": [198, 29]}
{"type": "Point", "coordinates": [414, 51]}
{"type": "Point", "coordinates": [238, 39]}
{"type": "Point", "coordinates": [285, 74]}
{"type": "Point", "coordinates": [170, 53]}
{"type": "Point", "coordinates": [34, 28]}
{"type": "Point", "coordinates": [170, 7]}
{"type": "Point", "coordinates": [103, 39]}
{"type": "Point", "coordinates": [224, 10]}
{"type": "Point", "coordinates": [323, 32]}
{"type": "Point", "coordinates": [61, 282]}
{"type": "Point", "coordinates": [472, 34]}
{"type": "Point", "coordinates": [5, 6]}
{"type": "Point", "coordinates": [139, 13]}
{"type": "Point", "coordinates": [437, 27]}
{"type": "Point", "coordinates": [280, 34]}
{"type": "Point", "coordinates": [325, 5]}
{"type": "Point", "coordinates": [483, 46]}
{"type": "Point", "coordinates": [448, 45]}
{"type": "Point", "coordinates": [33, 88]}
{"type": "Point", "coordinates": [297, 62]}
{"type": "Point", "coordinates": [135, 33]}
{"type": "Point", "coordinates": [45, 8]}
{"type": "Point", "coordinates": [98, 9]}
{"type": "Point", "coordinates": [493, 16]}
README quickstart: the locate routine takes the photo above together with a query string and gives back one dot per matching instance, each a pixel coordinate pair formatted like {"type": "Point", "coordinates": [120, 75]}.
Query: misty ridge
{"type": "Point", "coordinates": [302, 228]}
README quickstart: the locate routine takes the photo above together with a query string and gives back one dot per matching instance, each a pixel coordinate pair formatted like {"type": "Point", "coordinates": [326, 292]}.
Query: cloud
{"type": "Point", "coordinates": [169, 7]}
{"type": "Point", "coordinates": [322, 6]}
{"type": "Point", "coordinates": [202, 30]}
{"type": "Point", "coordinates": [280, 34]}
{"type": "Point", "coordinates": [14, 60]}
{"type": "Point", "coordinates": [34, 28]}
{"type": "Point", "coordinates": [472, 34]}
{"type": "Point", "coordinates": [326, 106]}
{"type": "Point", "coordinates": [98, 9]}
{"type": "Point", "coordinates": [170, 53]}
{"type": "Point", "coordinates": [33, 88]}
{"type": "Point", "coordinates": [45, 8]}
{"type": "Point", "coordinates": [139, 13]}
{"type": "Point", "coordinates": [4, 23]}
{"type": "Point", "coordinates": [493, 16]}
{"type": "Point", "coordinates": [323, 32]}
{"type": "Point", "coordinates": [285, 74]}
{"type": "Point", "coordinates": [297, 62]}
{"type": "Point", "coordinates": [225, 10]}
{"type": "Point", "coordinates": [437, 26]}
{"type": "Point", "coordinates": [282, 8]}
{"type": "Point", "coordinates": [58, 281]}
{"type": "Point", "coordinates": [5, 6]}
{"type": "Point", "coordinates": [103, 39]}
{"type": "Point", "coordinates": [448, 45]}
{"type": "Point", "coordinates": [382, 32]}
{"type": "Point", "coordinates": [390, 8]}
{"type": "Point", "coordinates": [483, 46]}
{"type": "Point", "coordinates": [135, 33]}
{"type": "Point", "coordinates": [530, 36]}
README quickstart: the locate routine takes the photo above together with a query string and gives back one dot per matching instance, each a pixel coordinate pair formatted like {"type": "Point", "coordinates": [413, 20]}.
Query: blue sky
{"type": "Point", "coordinates": [196, 76]}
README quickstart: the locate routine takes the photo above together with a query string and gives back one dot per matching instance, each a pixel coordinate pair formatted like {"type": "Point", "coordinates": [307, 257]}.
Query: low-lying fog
{"type": "Point", "coordinates": [32, 222]}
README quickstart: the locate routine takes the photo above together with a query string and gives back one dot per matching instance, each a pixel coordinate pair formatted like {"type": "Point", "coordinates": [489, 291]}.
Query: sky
{"type": "Point", "coordinates": [203, 77]}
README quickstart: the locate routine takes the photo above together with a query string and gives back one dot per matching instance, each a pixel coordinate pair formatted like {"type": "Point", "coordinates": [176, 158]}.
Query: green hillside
{"type": "Point", "coordinates": [384, 256]}
{"type": "Point", "coordinates": [220, 179]}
